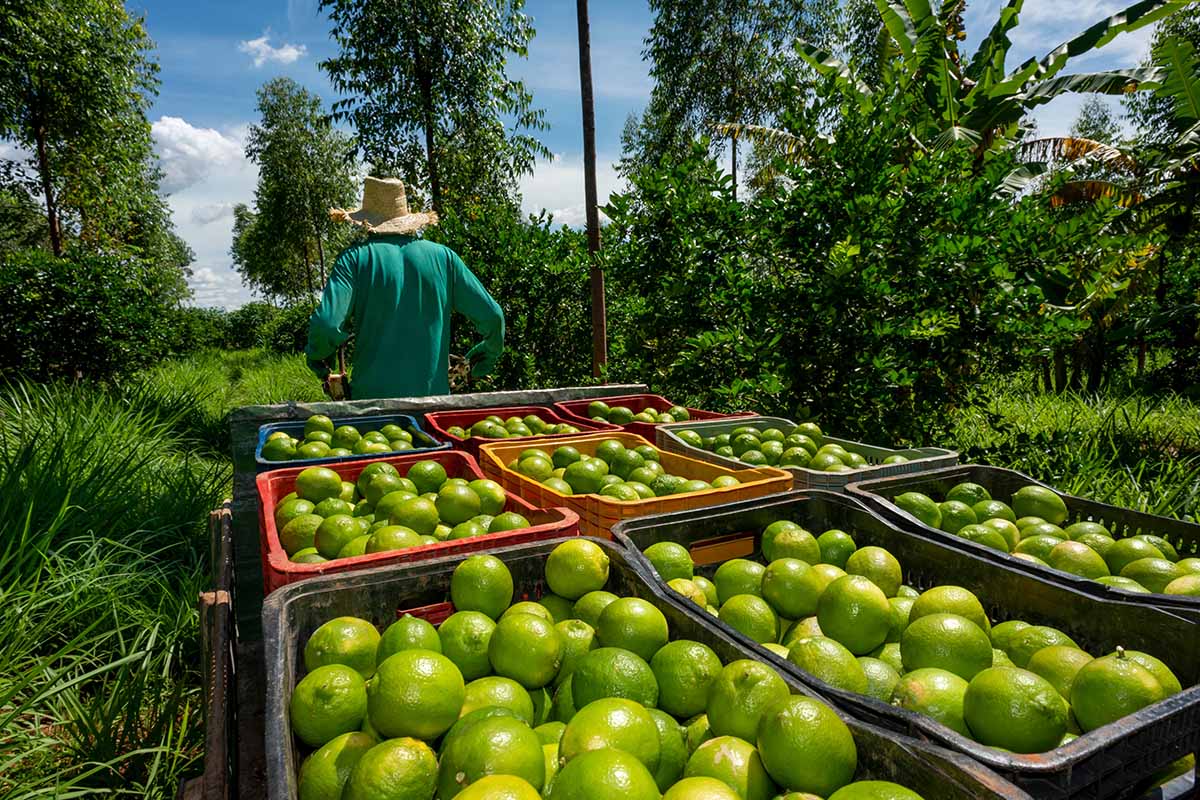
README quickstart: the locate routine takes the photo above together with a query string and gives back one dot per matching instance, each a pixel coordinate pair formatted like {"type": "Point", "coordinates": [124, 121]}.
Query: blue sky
{"type": "Point", "coordinates": [212, 63]}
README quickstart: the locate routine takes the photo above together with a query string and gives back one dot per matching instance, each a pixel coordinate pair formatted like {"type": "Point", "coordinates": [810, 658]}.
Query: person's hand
{"type": "Point", "coordinates": [482, 360]}
{"type": "Point", "coordinates": [319, 367]}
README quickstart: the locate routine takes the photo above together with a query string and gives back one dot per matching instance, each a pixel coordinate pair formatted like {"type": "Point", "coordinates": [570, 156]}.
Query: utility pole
{"type": "Point", "coordinates": [599, 315]}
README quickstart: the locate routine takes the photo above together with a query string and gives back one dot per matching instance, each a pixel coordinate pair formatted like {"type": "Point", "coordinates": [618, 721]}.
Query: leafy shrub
{"type": "Point", "coordinates": [248, 323]}
{"type": "Point", "coordinates": [88, 315]}
{"type": "Point", "coordinates": [287, 331]}
{"type": "Point", "coordinates": [199, 329]}
{"type": "Point", "coordinates": [539, 276]}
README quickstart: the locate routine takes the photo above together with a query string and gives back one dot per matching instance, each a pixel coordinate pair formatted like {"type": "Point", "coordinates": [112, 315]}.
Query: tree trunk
{"type": "Point", "coordinates": [1141, 355]}
{"type": "Point", "coordinates": [308, 272]}
{"type": "Point", "coordinates": [733, 162]}
{"type": "Point", "coordinates": [599, 311]}
{"type": "Point", "coordinates": [1079, 358]}
{"type": "Point", "coordinates": [320, 251]}
{"type": "Point", "coordinates": [425, 79]}
{"type": "Point", "coordinates": [1060, 371]}
{"type": "Point", "coordinates": [39, 134]}
{"type": "Point", "coordinates": [1047, 382]}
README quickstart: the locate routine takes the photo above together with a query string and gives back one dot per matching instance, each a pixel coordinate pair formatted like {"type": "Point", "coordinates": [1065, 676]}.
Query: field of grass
{"type": "Point", "coordinates": [104, 494]}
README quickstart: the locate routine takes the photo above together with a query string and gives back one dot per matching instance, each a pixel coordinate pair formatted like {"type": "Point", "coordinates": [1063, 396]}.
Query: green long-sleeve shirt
{"type": "Point", "coordinates": [399, 292]}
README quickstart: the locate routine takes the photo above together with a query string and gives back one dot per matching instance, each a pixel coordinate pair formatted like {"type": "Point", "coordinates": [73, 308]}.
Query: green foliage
{"type": "Point", "coordinates": [287, 331]}
{"type": "Point", "coordinates": [85, 315]}
{"type": "Point", "coordinates": [199, 329]}
{"type": "Point", "coordinates": [717, 61]}
{"type": "Point", "coordinates": [248, 323]}
{"type": "Point", "coordinates": [305, 167]}
{"type": "Point", "coordinates": [426, 86]}
{"type": "Point", "coordinates": [76, 78]}
{"type": "Point", "coordinates": [102, 509]}
{"type": "Point", "coordinates": [539, 276]}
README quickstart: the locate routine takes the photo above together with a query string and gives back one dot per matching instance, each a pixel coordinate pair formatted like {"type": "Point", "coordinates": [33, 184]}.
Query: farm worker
{"type": "Point", "coordinates": [397, 291]}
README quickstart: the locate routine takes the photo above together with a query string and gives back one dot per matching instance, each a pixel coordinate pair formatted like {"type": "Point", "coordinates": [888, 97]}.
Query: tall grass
{"type": "Point", "coordinates": [102, 553]}
{"type": "Point", "coordinates": [1127, 449]}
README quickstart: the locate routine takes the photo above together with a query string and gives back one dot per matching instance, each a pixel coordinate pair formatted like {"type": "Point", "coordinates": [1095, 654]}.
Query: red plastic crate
{"type": "Point", "coordinates": [279, 570]}
{"type": "Point", "coordinates": [440, 421]}
{"type": "Point", "coordinates": [575, 411]}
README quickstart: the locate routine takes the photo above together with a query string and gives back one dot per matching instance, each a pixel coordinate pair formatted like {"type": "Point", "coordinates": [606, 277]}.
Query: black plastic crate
{"type": "Point", "coordinates": [1002, 483]}
{"type": "Point", "coordinates": [291, 614]}
{"type": "Point", "coordinates": [1109, 762]}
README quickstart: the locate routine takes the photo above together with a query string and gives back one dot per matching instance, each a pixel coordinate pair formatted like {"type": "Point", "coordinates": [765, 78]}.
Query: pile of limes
{"type": "Point", "coordinates": [622, 473]}
{"type": "Point", "coordinates": [801, 446]}
{"type": "Point", "coordinates": [327, 518]}
{"type": "Point", "coordinates": [1030, 528]}
{"type": "Point", "coordinates": [322, 440]}
{"type": "Point", "coordinates": [843, 614]}
{"type": "Point", "coordinates": [599, 411]}
{"type": "Point", "coordinates": [493, 427]}
{"type": "Point", "coordinates": [581, 695]}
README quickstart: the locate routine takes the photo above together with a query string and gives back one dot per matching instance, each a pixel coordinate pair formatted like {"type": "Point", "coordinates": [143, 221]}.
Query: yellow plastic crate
{"type": "Point", "coordinates": [597, 514]}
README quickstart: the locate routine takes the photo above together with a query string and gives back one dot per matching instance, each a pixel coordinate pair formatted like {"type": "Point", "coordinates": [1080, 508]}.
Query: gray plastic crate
{"type": "Point", "coordinates": [920, 458]}
{"type": "Point", "coordinates": [291, 614]}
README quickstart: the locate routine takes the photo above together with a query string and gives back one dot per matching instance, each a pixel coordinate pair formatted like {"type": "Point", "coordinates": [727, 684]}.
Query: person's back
{"type": "Point", "coordinates": [398, 293]}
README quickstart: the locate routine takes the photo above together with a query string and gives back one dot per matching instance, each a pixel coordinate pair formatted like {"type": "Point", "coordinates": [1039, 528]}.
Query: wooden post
{"type": "Point", "coordinates": [599, 315]}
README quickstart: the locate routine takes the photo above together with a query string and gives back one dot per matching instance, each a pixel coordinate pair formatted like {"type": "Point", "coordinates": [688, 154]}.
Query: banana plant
{"type": "Point", "coordinates": [977, 99]}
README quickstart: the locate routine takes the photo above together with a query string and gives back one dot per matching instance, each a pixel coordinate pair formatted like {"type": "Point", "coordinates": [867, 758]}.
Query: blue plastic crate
{"type": "Point", "coordinates": [422, 441]}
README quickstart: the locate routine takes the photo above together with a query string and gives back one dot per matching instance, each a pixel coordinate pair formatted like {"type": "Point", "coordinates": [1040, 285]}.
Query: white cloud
{"type": "Point", "coordinates": [207, 172]}
{"type": "Point", "coordinates": [557, 186]}
{"type": "Point", "coordinates": [190, 154]}
{"type": "Point", "coordinates": [206, 214]}
{"type": "Point", "coordinates": [261, 51]}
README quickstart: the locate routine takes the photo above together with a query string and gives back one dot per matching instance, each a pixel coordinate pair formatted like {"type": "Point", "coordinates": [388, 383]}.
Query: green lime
{"type": "Point", "coordinates": [739, 694]}
{"type": "Point", "coordinates": [672, 749]}
{"type": "Point", "coordinates": [349, 641]}
{"type": "Point", "coordinates": [881, 678]}
{"type": "Point", "coordinates": [685, 672]}
{"type": "Point", "coordinates": [950, 600]}
{"type": "Point", "coordinates": [400, 768]}
{"type": "Point", "coordinates": [494, 690]}
{"type": "Point", "coordinates": [482, 583]}
{"type": "Point", "coordinates": [738, 576]}
{"type": "Point", "coordinates": [392, 537]}
{"type": "Point", "coordinates": [1058, 664]}
{"type": "Point", "coordinates": [318, 483]}
{"type": "Point", "coordinates": [325, 773]}
{"type": "Point", "coordinates": [416, 693]}
{"type": "Point", "coordinates": [604, 775]}
{"type": "Point", "coordinates": [633, 624]}
{"type": "Point", "coordinates": [935, 693]}
{"type": "Point", "coordinates": [920, 506]}
{"type": "Point", "coordinates": [408, 633]}
{"type": "Point", "coordinates": [327, 702]}
{"type": "Point", "coordinates": [589, 607]}
{"type": "Point", "coordinates": [670, 560]}
{"type": "Point", "coordinates": [806, 747]}
{"type": "Point", "coordinates": [1112, 687]}
{"type": "Point", "coordinates": [465, 636]}
{"type": "Point", "coordinates": [828, 660]}
{"type": "Point", "coordinates": [493, 746]}
{"type": "Point", "coordinates": [612, 672]}
{"type": "Point", "coordinates": [751, 616]}
{"type": "Point", "coordinates": [576, 567]}
{"type": "Point", "coordinates": [526, 648]}
{"type": "Point", "coordinates": [946, 641]}
{"type": "Point", "coordinates": [736, 763]}
{"type": "Point", "coordinates": [855, 612]}
{"type": "Point", "coordinates": [1015, 709]}
{"type": "Point", "coordinates": [1038, 501]}
{"type": "Point", "coordinates": [836, 547]}
{"type": "Point", "coordinates": [612, 722]}
{"type": "Point", "coordinates": [1029, 640]}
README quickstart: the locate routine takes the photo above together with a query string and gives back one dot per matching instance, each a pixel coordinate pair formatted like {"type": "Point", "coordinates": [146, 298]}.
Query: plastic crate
{"type": "Point", "coordinates": [1108, 762]}
{"type": "Point", "coordinates": [577, 410]}
{"type": "Point", "coordinates": [597, 514]}
{"type": "Point", "coordinates": [422, 441]}
{"type": "Point", "coordinates": [279, 570]}
{"type": "Point", "coordinates": [291, 615]}
{"type": "Point", "coordinates": [1002, 483]}
{"type": "Point", "coordinates": [441, 421]}
{"type": "Point", "coordinates": [921, 458]}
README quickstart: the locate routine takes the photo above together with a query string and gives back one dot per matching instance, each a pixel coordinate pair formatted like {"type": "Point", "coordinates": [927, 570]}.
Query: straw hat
{"type": "Point", "coordinates": [385, 209]}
